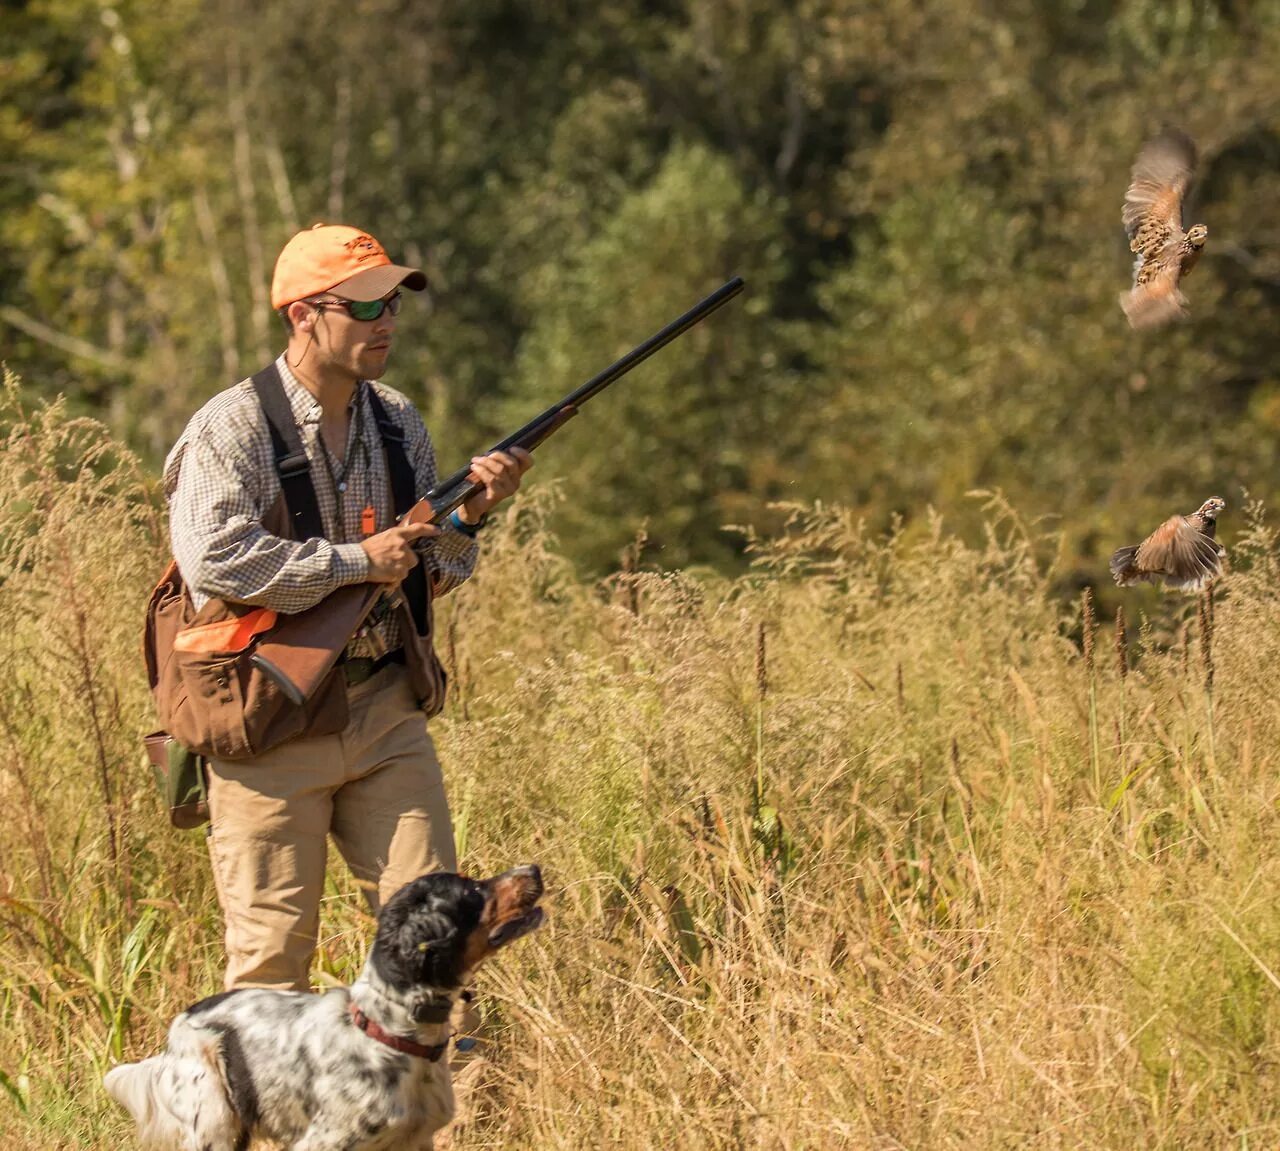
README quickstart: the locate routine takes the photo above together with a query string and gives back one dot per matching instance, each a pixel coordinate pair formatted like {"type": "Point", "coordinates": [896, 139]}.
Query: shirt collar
{"type": "Point", "coordinates": [306, 408]}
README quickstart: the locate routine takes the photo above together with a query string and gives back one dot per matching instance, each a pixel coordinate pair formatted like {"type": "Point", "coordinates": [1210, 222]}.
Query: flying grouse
{"type": "Point", "coordinates": [1181, 552]}
{"type": "Point", "coordinates": [1163, 252]}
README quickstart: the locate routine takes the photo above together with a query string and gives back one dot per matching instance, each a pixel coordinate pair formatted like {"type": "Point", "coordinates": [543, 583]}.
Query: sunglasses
{"type": "Point", "coordinates": [364, 310]}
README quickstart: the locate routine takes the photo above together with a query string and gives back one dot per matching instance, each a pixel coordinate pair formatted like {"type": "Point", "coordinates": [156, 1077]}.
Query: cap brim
{"type": "Point", "coordinates": [374, 283]}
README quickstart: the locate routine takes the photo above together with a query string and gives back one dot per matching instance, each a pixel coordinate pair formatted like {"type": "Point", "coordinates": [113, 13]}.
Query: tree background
{"type": "Point", "coordinates": [923, 196]}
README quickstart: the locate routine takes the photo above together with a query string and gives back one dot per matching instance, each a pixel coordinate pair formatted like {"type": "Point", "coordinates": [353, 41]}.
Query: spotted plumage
{"type": "Point", "coordinates": [359, 1068]}
{"type": "Point", "coordinates": [1181, 553]}
{"type": "Point", "coordinates": [1163, 252]}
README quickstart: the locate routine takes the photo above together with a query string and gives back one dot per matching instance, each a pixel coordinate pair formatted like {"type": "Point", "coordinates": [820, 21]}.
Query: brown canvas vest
{"type": "Point", "coordinates": [219, 703]}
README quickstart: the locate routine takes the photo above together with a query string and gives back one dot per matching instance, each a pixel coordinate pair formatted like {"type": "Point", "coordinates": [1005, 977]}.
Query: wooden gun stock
{"type": "Point", "coordinates": [302, 649]}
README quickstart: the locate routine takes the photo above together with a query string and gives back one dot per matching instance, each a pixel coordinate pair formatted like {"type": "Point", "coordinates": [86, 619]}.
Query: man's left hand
{"type": "Point", "coordinates": [500, 472]}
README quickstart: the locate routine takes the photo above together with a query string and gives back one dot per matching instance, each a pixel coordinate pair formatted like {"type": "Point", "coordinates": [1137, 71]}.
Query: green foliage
{"type": "Point", "coordinates": [923, 198]}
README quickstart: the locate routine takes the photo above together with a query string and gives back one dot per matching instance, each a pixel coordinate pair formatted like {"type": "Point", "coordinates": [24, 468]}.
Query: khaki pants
{"type": "Point", "coordinates": [377, 787]}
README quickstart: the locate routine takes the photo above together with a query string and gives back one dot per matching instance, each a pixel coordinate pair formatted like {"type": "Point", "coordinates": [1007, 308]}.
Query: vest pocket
{"type": "Point", "coordinates": [215, 693]}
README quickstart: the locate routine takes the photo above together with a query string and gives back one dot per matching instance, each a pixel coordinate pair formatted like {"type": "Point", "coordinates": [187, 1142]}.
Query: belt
{"type": "Point", "coordinates": [363, 667]}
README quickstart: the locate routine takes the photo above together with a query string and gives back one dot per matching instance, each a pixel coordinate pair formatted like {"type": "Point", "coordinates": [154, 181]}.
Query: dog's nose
{"type": "Point", "coordinates": [528, 871]}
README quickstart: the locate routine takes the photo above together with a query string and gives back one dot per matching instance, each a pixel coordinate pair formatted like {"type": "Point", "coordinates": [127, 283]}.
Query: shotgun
{"type": "Point", "coordinates": [301, 649]}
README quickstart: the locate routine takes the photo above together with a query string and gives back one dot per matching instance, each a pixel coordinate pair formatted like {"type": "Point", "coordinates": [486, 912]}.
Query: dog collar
{"type": "Point", "coordinates": [396, 1042]}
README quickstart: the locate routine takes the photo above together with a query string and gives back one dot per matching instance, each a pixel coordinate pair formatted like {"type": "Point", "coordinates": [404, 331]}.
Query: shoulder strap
{"type": "Point", "coordinates": [291, 457]}
{"type": "Point", "coordinates": [403, 496]}
{"type": "Point", "coordinates": [403, 481]}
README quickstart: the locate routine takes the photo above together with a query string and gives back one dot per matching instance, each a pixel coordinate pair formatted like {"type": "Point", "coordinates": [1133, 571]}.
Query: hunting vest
{"type": "Point", "coordinates": [219, 703]}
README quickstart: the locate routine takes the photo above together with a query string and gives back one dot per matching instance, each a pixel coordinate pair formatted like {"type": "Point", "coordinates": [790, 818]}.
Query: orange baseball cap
{"type": "Point", "coordinates": [339, 259]}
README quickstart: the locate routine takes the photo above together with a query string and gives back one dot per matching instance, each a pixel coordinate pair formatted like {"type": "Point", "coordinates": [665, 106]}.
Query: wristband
{"type": "Point", "coordinates": [467, 529]}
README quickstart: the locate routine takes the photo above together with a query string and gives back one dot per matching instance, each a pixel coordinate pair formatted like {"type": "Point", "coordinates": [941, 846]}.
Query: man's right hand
{"type": "Point", "coordinates": [391, 554]}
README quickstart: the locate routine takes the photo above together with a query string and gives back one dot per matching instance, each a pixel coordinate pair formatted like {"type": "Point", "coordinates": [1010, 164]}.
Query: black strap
{"type": "Point", "coordinates": [403, 496]}
{"type": "Point", "coordinates": [403, 481]}
{"type": "Point", "coordinates": [291, 457]}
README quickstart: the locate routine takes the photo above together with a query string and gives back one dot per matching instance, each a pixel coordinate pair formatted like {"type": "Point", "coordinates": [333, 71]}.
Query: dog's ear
{"type": "Point", "coordinates": [423, 930]}
{"type": "Point", "coordinates": [428, 932]}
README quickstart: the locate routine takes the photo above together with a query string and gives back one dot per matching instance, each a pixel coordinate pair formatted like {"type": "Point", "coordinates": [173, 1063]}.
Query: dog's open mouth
{"type": "Point", "coordinates": [513, 929]}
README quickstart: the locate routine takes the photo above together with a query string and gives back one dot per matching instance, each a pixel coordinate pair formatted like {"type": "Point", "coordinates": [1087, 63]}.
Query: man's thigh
{"type": "Point", "coordinates": [269, 817]}
{"type": "Point", "coordinates": [391, 818]}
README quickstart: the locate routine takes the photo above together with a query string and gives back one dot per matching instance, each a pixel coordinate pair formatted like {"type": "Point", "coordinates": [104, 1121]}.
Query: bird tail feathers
{"type": "Point", "coordinates": [1122, 569]}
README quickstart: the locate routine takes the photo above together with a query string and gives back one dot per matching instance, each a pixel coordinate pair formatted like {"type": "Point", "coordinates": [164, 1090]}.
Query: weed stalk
{"type": "Point", "coordinates": [1206, 661]}
{"type": "Point", "coordinates": [1090, 629]}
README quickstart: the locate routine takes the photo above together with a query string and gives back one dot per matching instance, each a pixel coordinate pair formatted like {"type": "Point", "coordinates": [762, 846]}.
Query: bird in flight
{"type": "Point", "coordinates": [1181, 552]}
{"type": "Point", "coordinates": [1163, 252]}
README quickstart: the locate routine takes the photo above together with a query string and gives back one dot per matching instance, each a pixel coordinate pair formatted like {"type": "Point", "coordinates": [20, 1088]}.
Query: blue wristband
{"type": "Point", "coordinates": [467, 529]}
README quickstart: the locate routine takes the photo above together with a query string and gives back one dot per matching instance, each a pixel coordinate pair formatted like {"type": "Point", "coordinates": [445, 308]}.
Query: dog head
{"type": "Point", "coordinates": [435, 931]}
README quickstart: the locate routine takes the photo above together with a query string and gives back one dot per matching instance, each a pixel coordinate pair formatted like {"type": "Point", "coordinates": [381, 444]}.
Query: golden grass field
{"type": "Point", "coordinates": [865, 848]}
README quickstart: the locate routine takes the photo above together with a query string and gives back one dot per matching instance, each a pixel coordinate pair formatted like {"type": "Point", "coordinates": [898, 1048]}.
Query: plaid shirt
{"type": "Point", "coordinates": [220, 479]}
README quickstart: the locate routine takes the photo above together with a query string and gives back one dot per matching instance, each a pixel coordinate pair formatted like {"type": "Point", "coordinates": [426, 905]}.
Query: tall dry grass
{"type": "Point", "coordinates": [857, 850]}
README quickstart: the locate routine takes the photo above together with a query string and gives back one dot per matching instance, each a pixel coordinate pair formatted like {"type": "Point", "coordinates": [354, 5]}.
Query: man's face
{"type": "Point", "coordinates": [356, 347]}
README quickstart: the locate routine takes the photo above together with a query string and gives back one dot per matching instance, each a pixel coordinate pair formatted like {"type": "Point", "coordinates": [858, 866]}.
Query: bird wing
{"type": "Point", "coordinates": [1181, 552]}
{"type": "Point", "coordinates": [1158, 184]}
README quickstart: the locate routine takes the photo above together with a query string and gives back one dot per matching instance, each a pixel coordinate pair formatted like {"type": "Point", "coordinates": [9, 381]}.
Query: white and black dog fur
{"type": "Point", "coordinates": [355, 1069]}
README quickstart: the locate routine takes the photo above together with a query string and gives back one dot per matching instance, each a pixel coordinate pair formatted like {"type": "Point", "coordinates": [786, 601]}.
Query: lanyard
{"type": "Point", "coordinates": [368, 521]}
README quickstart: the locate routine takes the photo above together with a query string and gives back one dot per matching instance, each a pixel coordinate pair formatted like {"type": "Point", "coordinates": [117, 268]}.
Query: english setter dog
{"type": "Point", "coordinates": [359, 1068]}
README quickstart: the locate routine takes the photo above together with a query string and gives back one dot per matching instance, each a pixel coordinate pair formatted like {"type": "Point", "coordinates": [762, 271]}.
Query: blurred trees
{"type": "Point", "coordinates": [923, 196]}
